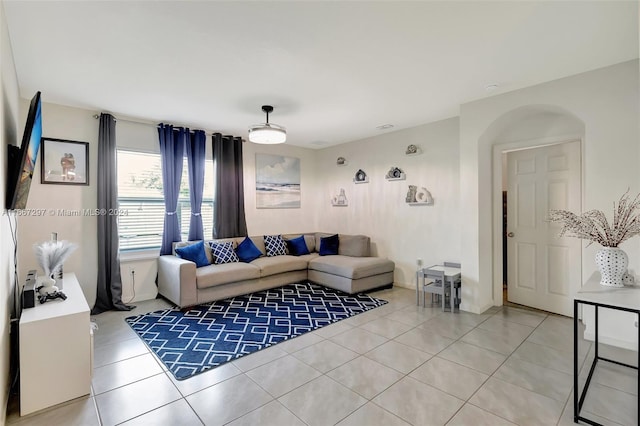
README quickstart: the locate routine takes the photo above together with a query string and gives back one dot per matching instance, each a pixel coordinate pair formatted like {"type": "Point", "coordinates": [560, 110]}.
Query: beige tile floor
{"type": "Point", "coordinates": [399, 364]}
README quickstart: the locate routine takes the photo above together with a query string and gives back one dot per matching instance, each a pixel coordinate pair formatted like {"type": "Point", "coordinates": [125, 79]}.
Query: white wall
{"type": "Point", "coordinates": [398, 231]}
{"type": "Point", "coordinates": [78, 125]}
{"type": "Point", "coordinates": [8, 136]}
{"type": "Point", "coordinates": [376, 209]}
{"type": "Point", "coordinates": [606, 101]}
{"type": "Point", "coordinates": [455, 166]}
{"type": "Point", "coordinates": [281, 221]}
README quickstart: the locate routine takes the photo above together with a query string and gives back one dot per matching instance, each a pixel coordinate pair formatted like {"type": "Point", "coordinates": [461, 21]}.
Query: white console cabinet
{"type": "Point", "coordinates": [55, 350]}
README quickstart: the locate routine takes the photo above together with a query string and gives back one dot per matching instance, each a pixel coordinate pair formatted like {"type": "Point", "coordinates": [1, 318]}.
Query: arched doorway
{"type": "Point", "coordinates": [534, 135]}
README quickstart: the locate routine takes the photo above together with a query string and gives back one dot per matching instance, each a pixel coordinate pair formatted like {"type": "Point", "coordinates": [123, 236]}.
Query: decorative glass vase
{"type": "Point", "coordinates": [612, 263]}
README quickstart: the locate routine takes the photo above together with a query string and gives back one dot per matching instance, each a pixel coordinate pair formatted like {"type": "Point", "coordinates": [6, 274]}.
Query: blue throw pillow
{"type": "Point", "coordinates": [247, 251]}
{"type": "Point", "coordinates": [274, 245]}
{"type": "Point", "coordinates": [195, 253]}
{"type": "Point", "coordinates": [223, 253]}
{"type": "Point", "coordinates": [329, 245]}
{"type": "Point", "coordinates": [297, 246]}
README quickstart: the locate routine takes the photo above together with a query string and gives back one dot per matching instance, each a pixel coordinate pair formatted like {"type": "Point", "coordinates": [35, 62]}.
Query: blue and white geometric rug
{"type": "Point", "coordinates": [211, 334]}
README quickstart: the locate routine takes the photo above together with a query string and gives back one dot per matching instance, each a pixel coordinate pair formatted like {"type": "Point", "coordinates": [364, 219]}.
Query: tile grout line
{"type": "Point", "coordinates": [506, 359]}
{"type": "Point", "coordinates": [511, 354]}
{"type": "Point", "coordinates": [184, 397]}
{"type": "Point", "coordinates": [156, 408]}
{"type": "Point", "coordinates": [400, 308]}
{"type": "Point", "coordinates": [331, 378]}
{"type": "Point", "coordinates": [481, 385]}
{"type": "Point", "coordinates": [275, 398]}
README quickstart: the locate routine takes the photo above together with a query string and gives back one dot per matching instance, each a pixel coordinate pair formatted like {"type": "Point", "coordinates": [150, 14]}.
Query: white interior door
{"type": "Point", "coordinates": [543, 270]}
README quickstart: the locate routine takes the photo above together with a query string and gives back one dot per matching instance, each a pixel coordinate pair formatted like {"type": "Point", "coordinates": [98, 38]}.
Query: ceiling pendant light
{"type": "Point", "coordinates": [267, 133]}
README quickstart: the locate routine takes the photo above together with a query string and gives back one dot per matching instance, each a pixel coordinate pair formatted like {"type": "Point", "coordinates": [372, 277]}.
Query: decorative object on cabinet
{"type": "Point", "coordinates": [340, 200]}
{"type": "Point", "coordinates": [418, 196]}
{"type": "Point", "coordinates": [395, 173]}
{"type": "Point", "coordinates": [593, 226]}
{"type": "Point", "coordinates": [413, 150]}
{"type": "Point", "coordinates": [361, 177]}
{"type": "Point", "coordinates": [50, 256]}
{"type": "Point", "coordinates": [341, 161]}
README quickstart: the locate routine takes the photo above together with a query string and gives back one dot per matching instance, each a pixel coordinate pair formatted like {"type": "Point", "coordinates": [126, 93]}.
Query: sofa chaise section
{"type": "Point", "coordinates": [353, 269]}
{"type": "Point", "coordinates": [351, 274]}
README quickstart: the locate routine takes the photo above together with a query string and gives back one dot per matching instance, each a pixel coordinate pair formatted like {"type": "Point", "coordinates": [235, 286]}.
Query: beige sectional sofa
{"type": "Point", "coordinates": [353, 270]}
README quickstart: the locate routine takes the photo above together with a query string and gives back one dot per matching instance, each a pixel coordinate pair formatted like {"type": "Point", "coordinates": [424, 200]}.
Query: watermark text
{"type": "Point", "coordinates": [69, 212]}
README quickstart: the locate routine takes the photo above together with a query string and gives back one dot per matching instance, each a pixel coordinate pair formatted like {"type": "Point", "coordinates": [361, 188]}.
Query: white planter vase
{"type": "Point", "coordinates": [612, 263]}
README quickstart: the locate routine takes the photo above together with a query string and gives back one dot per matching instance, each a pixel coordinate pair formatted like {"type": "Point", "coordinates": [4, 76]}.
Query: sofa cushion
{"type": "Point", "coordinates": [259, 243]}
{"type": "Point", "coordinates": [223, 253]}
{"type": "Point", "coordinates": [213, 275]}
{"type": "Point", "coordinates": [317, 237]}
{"type": "Point", "coordinates": [354, 245]}
{"type": "Point", "coordinates": [308, 257]}
{"type": "Point", "coordinates": [274, 245]}
{"type": "Point", "coordinates": [309, 239]}
{"type": "Point", "coordinates": [329, 245]}
{"type": "Point", "coordinates": [297, 246]}
{"type": "Point", "coordinates": [195, 253]}
{"type": "Point", "coordinates": [207, 249]}
{"type": "Point", "coordinates": [352, 267]}
{"type": "Point", "coordinates": [278, 264]}
{"type": "Point", "coordinates": [247, 250]}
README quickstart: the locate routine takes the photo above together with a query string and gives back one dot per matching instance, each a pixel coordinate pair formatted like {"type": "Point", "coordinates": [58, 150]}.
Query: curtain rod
{"type": "Point", "coordinates": [210, 133]}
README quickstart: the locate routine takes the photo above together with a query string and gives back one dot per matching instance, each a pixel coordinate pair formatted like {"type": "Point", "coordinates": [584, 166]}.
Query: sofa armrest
{"type": "Point", "coordinates": [177, 280]}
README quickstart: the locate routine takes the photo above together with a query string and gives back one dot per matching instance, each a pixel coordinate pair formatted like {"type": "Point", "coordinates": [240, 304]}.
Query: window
{"type": "Point", "coordinates": [140, 194]}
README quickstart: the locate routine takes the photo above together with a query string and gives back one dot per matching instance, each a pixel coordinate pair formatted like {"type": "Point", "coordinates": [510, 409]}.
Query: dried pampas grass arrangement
{"type": "Point", "coordinates": [593, 225]}
{"type": "Point", "coordinates": [52, 254]}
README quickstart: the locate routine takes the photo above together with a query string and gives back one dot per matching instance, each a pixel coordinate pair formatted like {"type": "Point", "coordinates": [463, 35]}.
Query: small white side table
{"type": "Point", "coordinates": [55, 350]}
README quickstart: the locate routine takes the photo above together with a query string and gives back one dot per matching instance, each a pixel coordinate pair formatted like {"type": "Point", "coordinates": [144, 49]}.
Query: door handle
{"type": "Point", "coordinates": [510, 235]}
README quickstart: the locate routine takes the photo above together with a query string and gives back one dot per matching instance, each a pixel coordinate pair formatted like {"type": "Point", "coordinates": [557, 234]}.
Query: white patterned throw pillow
{"type": "Point", "coordinates": [274, 245]}
{"type": "Point", "coordinates": [223, 253]}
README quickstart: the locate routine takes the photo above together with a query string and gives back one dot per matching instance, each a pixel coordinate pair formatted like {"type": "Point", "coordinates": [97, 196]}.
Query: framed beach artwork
{"type": "Point", "coordinates": [277, 182]}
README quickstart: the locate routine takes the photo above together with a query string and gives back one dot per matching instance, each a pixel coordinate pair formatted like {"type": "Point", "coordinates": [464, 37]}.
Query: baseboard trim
{"type": "Point", "coordinates": [611, 341]}
{"type": "Point", "coordinates": [405, 285]}
{"type": "Point", "coordinates": [475, 309]}
{"type": "Point", "coordinates": [149, 295]}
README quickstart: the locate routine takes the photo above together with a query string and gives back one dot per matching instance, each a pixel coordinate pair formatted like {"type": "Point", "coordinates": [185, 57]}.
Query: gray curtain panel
{"type": "Point", "coordinates": [172, 144]}
{"type": "Point", "coordinates": [109, 294]}
{"type": "Point", "coordinates": [228, 214]}
{"type": "Point", "coordinates": [196, 147]}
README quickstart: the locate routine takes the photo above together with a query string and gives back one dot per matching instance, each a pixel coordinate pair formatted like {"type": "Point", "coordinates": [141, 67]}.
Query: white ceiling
{"type": "Point", "coordinates": [333, 70]}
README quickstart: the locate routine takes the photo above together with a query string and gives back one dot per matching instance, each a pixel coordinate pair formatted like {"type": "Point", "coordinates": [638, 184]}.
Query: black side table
{"type": "Point", "coordinates": [619, 298]}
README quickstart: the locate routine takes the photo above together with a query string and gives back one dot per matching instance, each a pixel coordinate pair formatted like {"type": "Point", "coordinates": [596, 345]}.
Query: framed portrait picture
{"type": "Point", "coordinates": [64, 162]}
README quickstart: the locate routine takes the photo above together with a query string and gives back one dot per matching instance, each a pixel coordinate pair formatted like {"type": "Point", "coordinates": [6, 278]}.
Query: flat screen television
{"type": "Point", "coordinates": [22, 160]}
